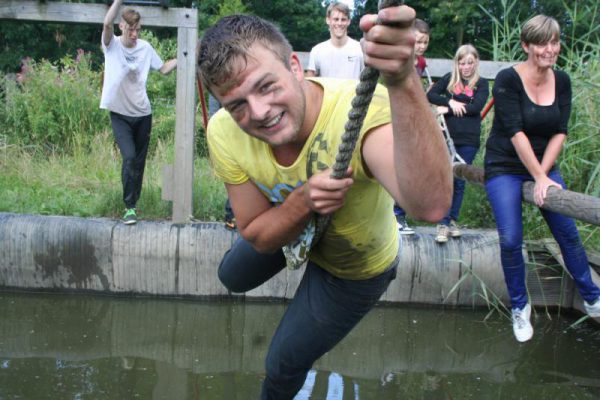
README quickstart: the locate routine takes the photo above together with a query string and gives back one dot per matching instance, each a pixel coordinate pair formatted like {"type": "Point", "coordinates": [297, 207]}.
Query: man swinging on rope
{"type": "Point", "coordinates": [272, 144]}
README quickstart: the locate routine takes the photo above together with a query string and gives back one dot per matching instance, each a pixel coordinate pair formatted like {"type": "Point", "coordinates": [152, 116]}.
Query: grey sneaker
{"type": "Point", "coordinates": [442, 233]}
{"type": "Point", "coordinates": [403, 227]}
{"type": "Point", "coordinates": [521, 326]}
{"type": "Point", "coordinates": [130, 216]}
{"type": "Point", "coordinates": [592, 309]}
{"type": "Point", "coordinates": [453, 229]}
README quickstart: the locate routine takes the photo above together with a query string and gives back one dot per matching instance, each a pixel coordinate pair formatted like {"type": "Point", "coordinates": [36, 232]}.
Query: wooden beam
{"type": "Point", "coordinates": [581, 206]}
{"type": "Point", "coordinates": [439, 67]}
{"type": "Point", "coordinates": [81, 13]}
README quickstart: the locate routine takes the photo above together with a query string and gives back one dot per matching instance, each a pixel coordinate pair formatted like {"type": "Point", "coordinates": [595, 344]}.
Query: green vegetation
{"type": "Point", "coordinates": [453, 23]}
{"type": "Point", "coordinates": [57, 154]}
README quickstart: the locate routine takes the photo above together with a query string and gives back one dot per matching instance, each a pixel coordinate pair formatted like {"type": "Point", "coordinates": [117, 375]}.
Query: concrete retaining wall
{"type": "Point", "coordinates": [165, 259]}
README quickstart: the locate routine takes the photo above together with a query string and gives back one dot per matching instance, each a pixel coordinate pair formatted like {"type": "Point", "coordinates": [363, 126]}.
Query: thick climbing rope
{"type": "Point", "coordinates": [356, 116]}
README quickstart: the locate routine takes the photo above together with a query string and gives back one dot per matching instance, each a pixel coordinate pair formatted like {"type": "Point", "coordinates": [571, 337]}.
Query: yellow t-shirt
{"type": "Point", "coordinates": [361, 241]}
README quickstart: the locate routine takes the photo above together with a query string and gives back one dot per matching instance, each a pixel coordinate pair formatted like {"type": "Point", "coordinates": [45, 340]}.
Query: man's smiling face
{"type": "Point", "coordinates": [264, 97]}
{"type": "Point", "coordinates": [338, 24]}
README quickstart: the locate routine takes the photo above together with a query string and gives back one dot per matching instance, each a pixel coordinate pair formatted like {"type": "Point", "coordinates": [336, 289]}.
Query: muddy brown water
{"type": "Point", "coordinates": [57, 346]}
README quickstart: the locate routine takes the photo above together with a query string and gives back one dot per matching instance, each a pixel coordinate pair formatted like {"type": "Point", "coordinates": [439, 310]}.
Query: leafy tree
{"type": "Point", "coordinates": [229, 7]}
{"type": "Point", "coordinates": [207, 11]}
{"type": "Point", "coordinates": [453, 22]}
{"type": "Point", "coordinates": [19, 39]}
{"type": "Point", "coordinates": [302, 22]}
{"type": "Point", "coordinates": [361, 7]}
{"type": "Point", "coordinates": [461, 15]}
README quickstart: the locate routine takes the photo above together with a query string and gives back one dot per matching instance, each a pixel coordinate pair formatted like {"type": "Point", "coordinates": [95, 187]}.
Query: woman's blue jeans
{"type": "Point", "coordinates": [505, 193]}
{"type": "Point", "coordinates": [323, 311]}
{"type": "Point", "coordinates": [467, 153]}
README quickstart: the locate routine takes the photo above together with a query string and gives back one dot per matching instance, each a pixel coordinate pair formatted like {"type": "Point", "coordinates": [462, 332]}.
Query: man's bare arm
{"type": "Point", "coordinates": [412, 146]}
{"type": "Point", "coordinates": [266, 227]}
{"type": "Point", "coordinates": [109, 22]}
{"type": "Point", "coordinates": [168, 66]}
{"type": "Point", "coordinates": [269, 228]}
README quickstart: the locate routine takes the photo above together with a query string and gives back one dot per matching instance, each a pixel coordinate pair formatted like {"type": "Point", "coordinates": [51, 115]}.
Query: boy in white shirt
{"type": "Point", "coordinates": [340, 56]}
{"type": "Point", "coordinates": [128, 60]}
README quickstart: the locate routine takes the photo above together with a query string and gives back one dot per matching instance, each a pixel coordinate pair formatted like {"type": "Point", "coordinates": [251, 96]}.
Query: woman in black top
{"type": "Point", "coordinates": [533, 104]}
{"type": "Point", "coordinates": [460, 96]}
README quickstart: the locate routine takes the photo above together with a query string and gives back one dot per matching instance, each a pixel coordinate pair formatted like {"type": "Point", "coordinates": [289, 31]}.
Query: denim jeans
{"type": "Point", "coordinates": [467, 153]}
{"type": "Point", "coordinates": [132, 135]}
{"type": "Point", "coordinates": [504, 193]}
{"type": "Point", "coordinates": [323, 311]}
{"type": "Point", "coordinates": [399, 211]}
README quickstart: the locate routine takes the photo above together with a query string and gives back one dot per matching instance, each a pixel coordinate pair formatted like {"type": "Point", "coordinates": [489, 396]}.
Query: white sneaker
{"type": "Point", "coordinates": [593, 309]}
{"type": "Point", "coordinates": [442, 233]}
{"type": "Point", "coordinates": [521, 326]}
{"type": "Point", "coordinates": [453, 229]}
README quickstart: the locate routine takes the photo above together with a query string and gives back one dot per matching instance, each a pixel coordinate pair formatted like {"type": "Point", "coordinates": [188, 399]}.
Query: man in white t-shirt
{"type": "Point", "coordinates": [127, 61]}
{"type": "Point", "coordinates": [340, 56]}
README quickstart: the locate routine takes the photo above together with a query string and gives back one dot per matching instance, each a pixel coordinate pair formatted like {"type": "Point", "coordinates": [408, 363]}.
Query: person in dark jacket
{"type": "Point", "coordinates": [460, 96]}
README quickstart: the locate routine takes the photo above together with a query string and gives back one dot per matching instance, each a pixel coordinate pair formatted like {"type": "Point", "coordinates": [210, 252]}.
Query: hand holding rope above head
{"type": "Point", "coordinates": [356, 116]}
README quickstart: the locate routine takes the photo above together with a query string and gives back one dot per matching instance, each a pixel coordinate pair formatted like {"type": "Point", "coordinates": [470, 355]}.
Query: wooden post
{"type": "Point", "coordinates": [183, 170]}
{"type": "Point", "coordinates": [56, 11]}
{"type": "Point", "coordinates": [572, 204]}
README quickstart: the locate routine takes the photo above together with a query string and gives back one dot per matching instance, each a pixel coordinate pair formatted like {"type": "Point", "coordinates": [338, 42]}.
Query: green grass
{"type": "Point", "coordinates": [89, 185]}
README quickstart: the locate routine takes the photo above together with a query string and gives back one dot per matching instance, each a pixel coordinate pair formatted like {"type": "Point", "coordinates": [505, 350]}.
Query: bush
{"type": "Point", "coordinates": [55, 108]}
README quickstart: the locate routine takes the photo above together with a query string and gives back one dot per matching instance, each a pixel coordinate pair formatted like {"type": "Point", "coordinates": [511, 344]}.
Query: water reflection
{"type": "Point", "coordinates": [76, 347]}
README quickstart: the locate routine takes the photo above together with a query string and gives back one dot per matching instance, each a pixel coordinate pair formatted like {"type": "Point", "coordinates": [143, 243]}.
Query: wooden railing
{"type": "Point", "coordinates": [438, 67]}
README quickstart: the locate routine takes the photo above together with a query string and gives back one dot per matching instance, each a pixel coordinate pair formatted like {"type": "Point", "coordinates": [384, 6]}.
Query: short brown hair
{"type": "Point", "coordinates": [539, 30]}
{"type": "Point", "coordinates": [421, 26]}
{"type": "Point", "coordinates": [338, 6]}
{"type": "Point", "coordinates": [230, 39]}
{"type": "Point", "coordinates": [130, 16]}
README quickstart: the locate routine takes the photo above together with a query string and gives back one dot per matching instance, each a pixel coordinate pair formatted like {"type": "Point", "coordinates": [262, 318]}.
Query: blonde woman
{"type": "Point", "coordinates": [533, 104]}
{"type": "Point", "coordinates": [460, 96]}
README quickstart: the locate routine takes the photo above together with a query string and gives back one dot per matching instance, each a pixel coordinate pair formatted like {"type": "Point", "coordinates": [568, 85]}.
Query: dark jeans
{"type": "Point", "coordinates": [504, 193]}
{"type": "Point", "coordinates": [467, 153]}
{"type": "Point", "coordinates": [228, 211]}
{"type": "Point", "coordinates": [132, 135]}
{"type": "Point", "coordinates": [323, 311]}
{"type": "Point", "coordinates": [399, 211]}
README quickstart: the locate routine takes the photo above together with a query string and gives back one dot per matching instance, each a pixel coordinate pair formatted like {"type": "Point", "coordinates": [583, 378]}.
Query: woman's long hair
{"type": "Point", "coordinates": [455, 79]}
